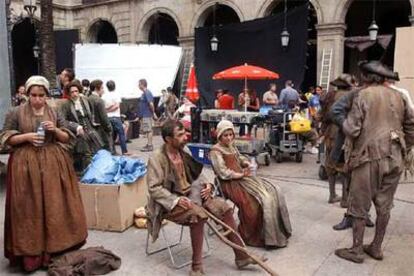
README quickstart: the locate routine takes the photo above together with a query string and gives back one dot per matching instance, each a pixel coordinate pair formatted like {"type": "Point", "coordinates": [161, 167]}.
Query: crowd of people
{"type": "Point", "coordinates": [92, 110]}
{"type": "Point", "coordinates": [288, 99]}
{"type": "Point", "coordinates": [367, 127]}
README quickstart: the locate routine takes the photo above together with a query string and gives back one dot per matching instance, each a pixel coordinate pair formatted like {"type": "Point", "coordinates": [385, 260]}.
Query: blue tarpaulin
{"type": "Point", "coordinates": [108, 169]}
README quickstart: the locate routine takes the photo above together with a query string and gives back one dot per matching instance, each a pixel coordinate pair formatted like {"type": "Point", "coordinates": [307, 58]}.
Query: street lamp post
{"type": "Point", "coordinates": [373, 28]}
{"type": "Point", "coordinates": [214, 42]}
{"type": "Point", "coordinates": [284, 36]}
{"type": "Point", "coordinates": [30, 7]}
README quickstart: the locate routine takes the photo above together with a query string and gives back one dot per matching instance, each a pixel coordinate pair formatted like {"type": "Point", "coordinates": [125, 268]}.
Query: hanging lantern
{"type": "Point", "coordinates": [373, 31]}
{"type": "Point", "coordinates": [214, 43]}
{"type": "Point", "coordinates": [284, 37]}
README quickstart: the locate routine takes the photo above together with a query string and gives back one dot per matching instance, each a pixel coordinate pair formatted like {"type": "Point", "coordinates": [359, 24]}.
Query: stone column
{"type": "Point", "coordinates": [331, 36]}
{"type": "Point", "coordinates": [186, 41]}
{"type": "Point", "coordinates": [5, 65]}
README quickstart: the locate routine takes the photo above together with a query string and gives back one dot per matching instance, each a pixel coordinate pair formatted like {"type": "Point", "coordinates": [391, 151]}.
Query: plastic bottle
{"type": "Point", "coordinates": [40, 132]}
{"type": "Point", "coordinates": [253, 166]}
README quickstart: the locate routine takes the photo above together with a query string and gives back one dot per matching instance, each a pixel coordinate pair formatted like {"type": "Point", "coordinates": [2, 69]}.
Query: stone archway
{"type": "Point", "coordinates": [276, 7]}
{"type": "Point", "coordinates": [102, 31]}
{"type": "Point", "coordinates": [226, 13]}
{"type": "Point", "coordinates": [269, 5]}
{"type": "Point", "coordinates": [162, 29]}
{"type": "Point", "coordinates": [389, 16]}
{"type": "Point", "coordinates": [168, 19]}
{"type": "Point", "coordinates": [23, 36]}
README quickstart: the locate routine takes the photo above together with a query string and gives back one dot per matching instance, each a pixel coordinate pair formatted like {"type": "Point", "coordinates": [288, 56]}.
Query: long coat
{"type": "Point", "coordinates": [161, 179]}
{"type": "Point", "coordinates": [68, 111]}
{"type": "Point", "coordinates": [101, 120]}
{"type": "Point", "coordinates": [379, 117]}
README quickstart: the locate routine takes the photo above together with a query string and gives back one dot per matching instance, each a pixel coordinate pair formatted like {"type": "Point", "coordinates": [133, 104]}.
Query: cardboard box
{"type": "Point", "coordinates": [111, 207]}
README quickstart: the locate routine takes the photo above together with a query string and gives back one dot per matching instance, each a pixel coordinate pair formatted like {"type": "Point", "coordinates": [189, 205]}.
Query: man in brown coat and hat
{"type": "Point", "coordinates": [173, 177]}
{"type": "Point", "coordinates": [329, 130]}
{"type": "Point", "coordinates": [379, 130]}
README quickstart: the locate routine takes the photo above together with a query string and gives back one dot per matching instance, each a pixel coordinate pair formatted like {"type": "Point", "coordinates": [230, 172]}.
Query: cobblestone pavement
{"type": "Point", "coordinates": [311, 247]}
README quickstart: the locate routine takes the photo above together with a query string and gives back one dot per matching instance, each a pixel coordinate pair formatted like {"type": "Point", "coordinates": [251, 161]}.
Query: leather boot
{"type": "Point", "coordinates": [345, 185]}
{"type": "Point", "coordinates": [197, 237]}
{"type": "Point", "coordinates": [332, 194]}
{"type": "Point", "coordinates": [355, 253]}
{"type": "Point", "coordinates": [344, 224]}
{"type": "Point", "coordinates": [374, 249]}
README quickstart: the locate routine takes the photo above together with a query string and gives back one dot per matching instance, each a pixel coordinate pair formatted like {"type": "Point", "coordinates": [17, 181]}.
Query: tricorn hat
{"type": "Point", "coordinates": [344, 80]}
{"type": "Point", "coordinates": [378, 68]}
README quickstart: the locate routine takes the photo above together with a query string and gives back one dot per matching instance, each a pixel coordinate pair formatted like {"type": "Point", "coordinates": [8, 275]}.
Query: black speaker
{"type": "Point", "coordinates": [195, 124]}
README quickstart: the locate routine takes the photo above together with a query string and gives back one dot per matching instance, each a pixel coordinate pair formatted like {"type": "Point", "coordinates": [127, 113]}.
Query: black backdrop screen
{"type": "Point", "coordinates": [254, 42]}
{"type": "Point", "coordinates": [64, 41]}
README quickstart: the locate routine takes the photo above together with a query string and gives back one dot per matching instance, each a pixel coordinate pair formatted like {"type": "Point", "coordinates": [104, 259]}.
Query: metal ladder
{"type": "Point", "coordinates": [326, 69]}
{"type": "Point", "coordinates": [188, 59]}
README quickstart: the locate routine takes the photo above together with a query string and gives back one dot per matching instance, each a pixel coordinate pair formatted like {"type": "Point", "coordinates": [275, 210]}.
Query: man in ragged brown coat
{"type": "Point", "coordinates": [379, 129]}
{"type": "Point", "coordinates": [172, 177]}
{"type": "Point", "coordinates": [344, 84]}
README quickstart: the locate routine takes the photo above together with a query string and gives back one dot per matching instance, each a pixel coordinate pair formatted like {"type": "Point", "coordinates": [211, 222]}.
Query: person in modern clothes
{"type": "Point", "coordinates": [112, 105]}
{"type": "Point", "coordinates": [85, 84]}
{"type": "Point", "coordinates": [177, 190]}
{"type": "Point", "coordinates": [65, 77]}
{"type": "Point", "coordinates": [263, 214]}
{"type": "Point", "coordinates": [20, 97]}
{"type": "Point", "coordinates": [289, 97]}
{"type": "Point", "coordinates": [146, 112]}
{"type": "Point", "coordinates": [270, 97]}
{"type": "Point", "coordinates": [226, 101]}
{"type": "Point", "coordinates": [44, 211]}
{"type": "Point", "coordinates": [218, 93]}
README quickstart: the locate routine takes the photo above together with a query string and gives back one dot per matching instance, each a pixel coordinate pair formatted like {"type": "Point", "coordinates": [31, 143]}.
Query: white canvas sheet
{"type": "Point", "coordinates": [126, 64]}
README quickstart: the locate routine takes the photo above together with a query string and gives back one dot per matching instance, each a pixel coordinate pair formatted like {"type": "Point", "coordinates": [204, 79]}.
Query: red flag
{"type": "Point", "coordinates": [191, 91]}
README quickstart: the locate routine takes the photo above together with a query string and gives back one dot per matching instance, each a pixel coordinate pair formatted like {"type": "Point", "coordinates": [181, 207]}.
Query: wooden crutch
{"type": "Point", "coordinates": [223, 237]}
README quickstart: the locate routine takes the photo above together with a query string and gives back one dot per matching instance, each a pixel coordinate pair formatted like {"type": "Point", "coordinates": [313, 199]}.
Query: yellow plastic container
{"type": "Point", "coordinates": [300, 126]}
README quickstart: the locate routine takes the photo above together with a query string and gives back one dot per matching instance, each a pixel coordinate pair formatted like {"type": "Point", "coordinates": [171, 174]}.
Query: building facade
{"type": "Point", "coordinates": [174, 21]}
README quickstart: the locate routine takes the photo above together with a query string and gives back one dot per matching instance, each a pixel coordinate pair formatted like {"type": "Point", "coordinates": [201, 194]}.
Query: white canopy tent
{"type": "Point", "coordinates": [127, 63]}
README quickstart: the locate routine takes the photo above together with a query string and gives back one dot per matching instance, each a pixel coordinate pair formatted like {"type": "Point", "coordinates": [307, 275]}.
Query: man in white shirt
{"type": "Point", "coordinates": [270, 97]}
{"type": "Point", "coordinates": [112, 106]}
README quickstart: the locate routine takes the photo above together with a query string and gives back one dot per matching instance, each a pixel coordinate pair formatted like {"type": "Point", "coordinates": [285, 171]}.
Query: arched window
{"type": "Point", "coordinates": [23, 39]}
{"type": "Point", "coordinates": [102, 31]}
{"type": "Point", "coordinates": [163, 30]}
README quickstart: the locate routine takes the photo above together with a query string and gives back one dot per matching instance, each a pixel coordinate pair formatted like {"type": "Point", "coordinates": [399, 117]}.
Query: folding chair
{"type": "Point", "coordinates": [169, 246]}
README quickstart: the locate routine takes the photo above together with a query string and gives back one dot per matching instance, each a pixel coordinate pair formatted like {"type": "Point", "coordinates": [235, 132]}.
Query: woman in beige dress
{"type": "Point", "coordinates": [263, 214]}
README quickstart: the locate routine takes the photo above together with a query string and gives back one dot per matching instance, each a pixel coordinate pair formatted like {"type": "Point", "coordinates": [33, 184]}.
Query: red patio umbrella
{"type": "Point", "coordinates": [191, 92]}
{"type": "Point", "coordinates": [246, 72]}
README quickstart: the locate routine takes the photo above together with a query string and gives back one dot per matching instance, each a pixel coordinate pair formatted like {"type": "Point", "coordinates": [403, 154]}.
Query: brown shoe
{"type": "Point", "coordinates": [375, 254]}
{"type": "Point", "coordinates": [350, 254]}
{"type": "Point", "coordinates": [248, 261]}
